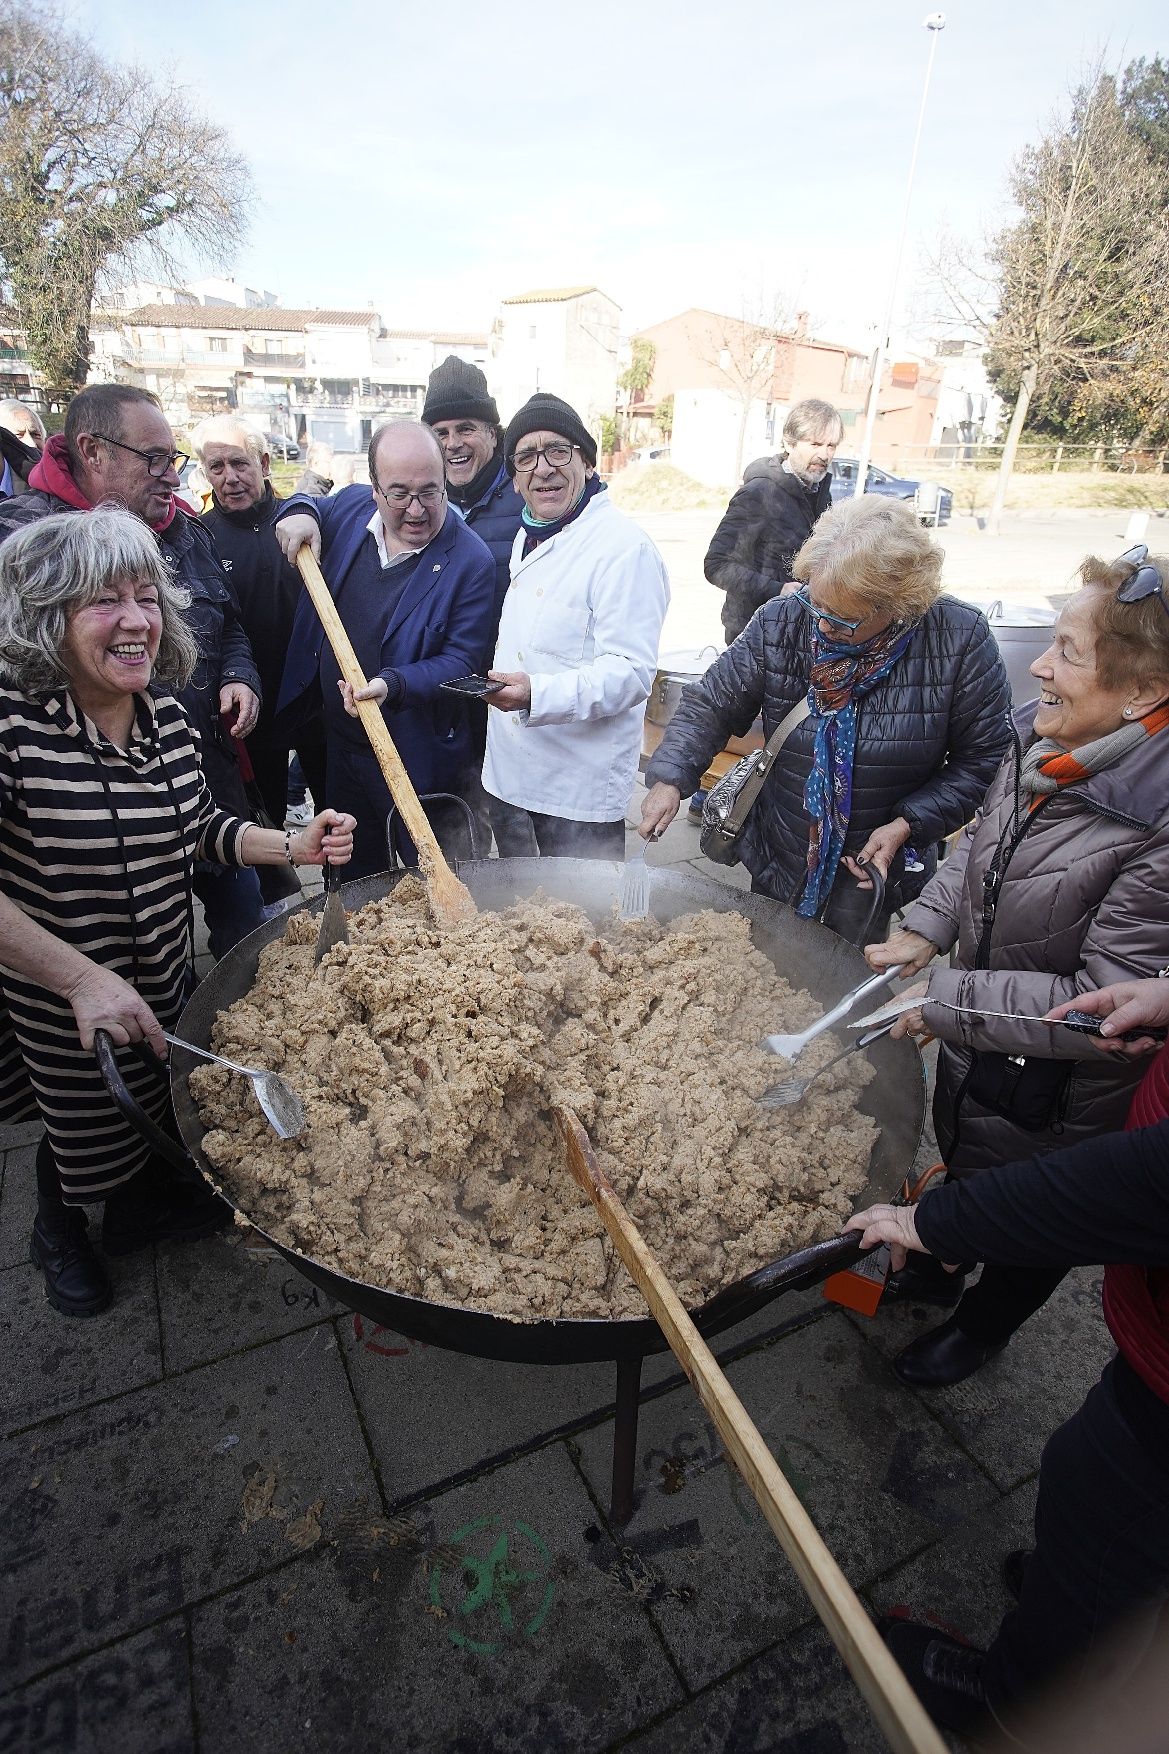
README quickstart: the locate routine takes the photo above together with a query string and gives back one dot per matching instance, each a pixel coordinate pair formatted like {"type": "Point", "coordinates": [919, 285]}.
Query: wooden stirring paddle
{"type": "Point", "coordinates": [450, 900]}
{"type": "Point", "coordinates": [894, 1705]}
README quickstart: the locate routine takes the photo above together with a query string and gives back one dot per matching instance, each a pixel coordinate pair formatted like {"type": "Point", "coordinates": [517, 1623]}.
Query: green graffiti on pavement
{"type": "Point", "coordinates": [507, 1591]}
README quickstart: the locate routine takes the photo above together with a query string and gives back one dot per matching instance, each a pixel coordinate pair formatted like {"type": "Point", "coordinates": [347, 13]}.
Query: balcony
{"type": "Point", "coordinates": [286, 362]}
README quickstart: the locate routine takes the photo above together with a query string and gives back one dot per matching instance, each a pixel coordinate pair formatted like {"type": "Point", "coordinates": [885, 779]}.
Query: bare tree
{"type": "Point", "coordinates": [1075, 293]}
{"type": "Point", "coordinates": [99, 168]}
{"type": "Point", "coordinates": [746, 351]}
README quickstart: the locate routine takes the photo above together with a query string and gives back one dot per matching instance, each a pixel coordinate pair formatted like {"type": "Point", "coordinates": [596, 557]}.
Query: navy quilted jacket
{"type": "Point", "coordinates": [495, 518]}
{"type": "Point", "coordinates": [929, 737]}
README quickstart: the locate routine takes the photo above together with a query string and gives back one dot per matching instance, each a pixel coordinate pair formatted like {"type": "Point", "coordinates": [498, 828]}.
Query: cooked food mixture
{"type": "Point", "coordinates": [428, 1062]}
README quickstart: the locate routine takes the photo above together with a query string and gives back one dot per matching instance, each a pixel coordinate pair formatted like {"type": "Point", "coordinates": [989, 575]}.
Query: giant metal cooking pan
{"type": "Point", "coordinates": [805, 953]}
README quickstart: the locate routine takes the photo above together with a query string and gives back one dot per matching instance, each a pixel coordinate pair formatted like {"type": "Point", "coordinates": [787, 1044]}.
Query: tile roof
{"type": "Point", "coordinates": [550, 295]}
{"type": "Point", "coordinates": [232, 317]}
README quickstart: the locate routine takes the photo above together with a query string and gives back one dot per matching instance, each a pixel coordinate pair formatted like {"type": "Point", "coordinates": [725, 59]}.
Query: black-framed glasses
{"type": "Point", "coordinates": [805, 602]}
{"type": "Point", "coordinates": [1146, 581]}
{"type": "Point", "coordinates": [557, 455]}
{"type": "Point", "coordinates": [427, 497]}
{"type": "Point", "coordinates": [157, 462]}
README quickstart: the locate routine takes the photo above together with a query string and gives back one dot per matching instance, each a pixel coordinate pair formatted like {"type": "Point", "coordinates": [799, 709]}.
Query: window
{"type": "Point", "coordinates": [217, 344]}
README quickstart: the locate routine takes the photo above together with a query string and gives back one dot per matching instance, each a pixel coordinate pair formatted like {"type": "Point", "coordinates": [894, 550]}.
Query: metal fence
{"type": "Point", "coordinates": [1034, 456]}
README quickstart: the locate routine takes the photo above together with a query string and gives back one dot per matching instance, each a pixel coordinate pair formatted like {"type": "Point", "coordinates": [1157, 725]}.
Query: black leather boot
{"type": "Point", "coordinates": [924, 1280]}
{"type": "Point", "coordinates": [945, 1355]}
{"type": "Point", "coordinates": [75, 1280]}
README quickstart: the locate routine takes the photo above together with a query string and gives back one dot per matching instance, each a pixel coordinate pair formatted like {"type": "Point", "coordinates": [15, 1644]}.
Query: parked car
{"type": "Point", "coordinates": [285, 448]}
{"type": "Point", "coordinates": [651, 454]}
{"type": "Point", "coordinates": [896, 486]}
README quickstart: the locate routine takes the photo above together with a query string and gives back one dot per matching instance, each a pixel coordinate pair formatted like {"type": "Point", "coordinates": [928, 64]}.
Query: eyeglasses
{"type": "Point", "coordinates": [427, 497]}
{"type": "Point", "coordinates": [157, 462]}
{"type": "Point", "coordinates": [1146, 581]}
{"type": "Point", "coordinates": [557, 455]}
{"type": "Point", "coordinates": [802, 598]}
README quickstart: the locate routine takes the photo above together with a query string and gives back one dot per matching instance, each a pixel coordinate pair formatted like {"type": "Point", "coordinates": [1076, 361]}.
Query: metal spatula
{"type": "Point", "coordinates": [333, 930]}
{"type": "Point", "coordinates": [635, 883]}
{"type": "Point", "coordinates": [791, 1045]}
{"type": "Point", "coordinates": [278, 1100]}
{"type": "Point", "coordinates": [790, 1090]}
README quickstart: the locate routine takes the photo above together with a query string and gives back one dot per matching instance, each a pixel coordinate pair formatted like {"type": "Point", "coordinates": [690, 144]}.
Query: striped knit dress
{"type": "Point", "coordinates": [97, 845]}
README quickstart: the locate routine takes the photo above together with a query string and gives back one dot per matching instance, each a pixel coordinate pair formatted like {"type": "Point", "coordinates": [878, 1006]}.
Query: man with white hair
{"type": "Point", "coordinates": [241, 520]}
{"type": "Point", "coordinates": [24, 424]}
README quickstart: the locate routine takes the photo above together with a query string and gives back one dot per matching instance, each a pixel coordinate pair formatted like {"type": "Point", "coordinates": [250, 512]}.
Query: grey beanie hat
{"type": "Point", "coordinates": [458, 391]}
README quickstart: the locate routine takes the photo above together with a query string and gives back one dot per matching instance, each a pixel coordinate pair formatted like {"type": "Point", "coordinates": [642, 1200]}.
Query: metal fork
{"type": "Point", "coordinates": [635, 885]}
{"type": "Point", "coordinates": [790, 1090]}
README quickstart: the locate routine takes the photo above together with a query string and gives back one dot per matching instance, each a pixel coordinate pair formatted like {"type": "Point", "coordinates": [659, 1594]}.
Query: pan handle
{"type": "Point", "coordinates": [805, 1267]}
{"type": "Point", "coordinates": [132, 1111]}
{"type": "Point", "coordinates": [427, 798]}
{"type": "Point", "coordinates": [877, 879]}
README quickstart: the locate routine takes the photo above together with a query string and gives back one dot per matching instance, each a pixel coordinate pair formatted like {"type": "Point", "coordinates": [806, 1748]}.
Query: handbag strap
{"type": "Point", "coordinates": [764, 762]}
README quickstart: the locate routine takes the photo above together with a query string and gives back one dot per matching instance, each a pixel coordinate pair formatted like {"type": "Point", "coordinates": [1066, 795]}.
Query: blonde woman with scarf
{"type": "Point", "coordinates": [908, 704]}
{"type": "Point", "coordinates": [1060, 886]}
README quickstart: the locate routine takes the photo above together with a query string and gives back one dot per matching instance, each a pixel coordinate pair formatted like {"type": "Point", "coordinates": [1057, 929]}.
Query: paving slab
{"type": "Point", "coordinates": [117, 1516]}
{"type": "Point", "coordinates": [1005, 1412]}
{"type": "Point", "coordinates": [134, 1697]}
{"type": "Point", "coordinates": [958, 1580]}
{"type": "Point", "coordinates": [228, 1294]}
{"type": "Point", "coordinates": [432, 1414]}
{"type": "Point", "coordinates": [18, 1203]}
{"type": "Point", "coordinates": [878, 1488]}
{"type": "Point", "coordinates": [51, 1364]}
{"type": "Point", "coordinates": [796, 1699]}
{"type": "Point", "coordinates": [529, 1648]}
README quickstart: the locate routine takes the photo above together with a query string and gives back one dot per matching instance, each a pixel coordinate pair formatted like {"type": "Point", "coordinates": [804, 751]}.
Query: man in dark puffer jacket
{"type": "Point", "coordinates": [241, 520]}
{"type": "Point", "coordinates": [465, 420]}
{"type": "Point", "coordinates": [771, 516]}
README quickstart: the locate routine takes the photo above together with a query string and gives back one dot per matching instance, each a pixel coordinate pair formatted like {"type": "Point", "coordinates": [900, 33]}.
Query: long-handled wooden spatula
{"type": "Point", "coordinates": [450, 900]}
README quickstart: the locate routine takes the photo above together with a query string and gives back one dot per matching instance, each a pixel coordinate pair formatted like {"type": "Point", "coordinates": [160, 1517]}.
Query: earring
{"type": "Point", "coordinates": [1128, 712]}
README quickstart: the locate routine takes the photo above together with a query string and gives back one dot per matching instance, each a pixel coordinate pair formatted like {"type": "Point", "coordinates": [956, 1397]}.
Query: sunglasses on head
{"type": "Point", "coordinates": [1146, 581]}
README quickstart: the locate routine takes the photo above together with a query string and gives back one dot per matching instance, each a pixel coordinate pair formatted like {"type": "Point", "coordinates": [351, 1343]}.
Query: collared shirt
{"type": "Point", "coordinates": [378, 531]}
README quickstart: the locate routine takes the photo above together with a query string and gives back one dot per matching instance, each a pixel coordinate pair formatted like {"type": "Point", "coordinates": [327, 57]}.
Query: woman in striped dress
{"type": "Point", "coordinates": [103, 811]}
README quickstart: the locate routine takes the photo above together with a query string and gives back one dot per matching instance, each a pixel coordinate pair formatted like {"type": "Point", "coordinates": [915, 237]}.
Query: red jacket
{"type": "Point", "coordinates": [1136, 1299]}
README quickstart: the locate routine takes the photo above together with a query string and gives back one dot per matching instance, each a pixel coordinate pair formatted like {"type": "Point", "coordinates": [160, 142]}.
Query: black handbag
{"type": "Point", "coordinates": [729, 800]}
{"type": "Point", "coordinates": [1031, 1093]}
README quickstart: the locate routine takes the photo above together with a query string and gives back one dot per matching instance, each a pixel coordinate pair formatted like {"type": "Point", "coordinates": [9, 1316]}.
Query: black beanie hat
{"type": "Point", "coordinates": [458, 391]}
{"type": "Point", "coordinates": [544, 413]}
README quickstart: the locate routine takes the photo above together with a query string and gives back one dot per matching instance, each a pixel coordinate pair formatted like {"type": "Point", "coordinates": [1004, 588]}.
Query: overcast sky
{"type": "Point", "coordinates": [433, 159]}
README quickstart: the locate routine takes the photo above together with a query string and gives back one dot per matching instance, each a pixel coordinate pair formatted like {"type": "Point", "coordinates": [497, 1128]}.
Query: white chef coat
{"type": "Point", "coordinates": [583, 616]}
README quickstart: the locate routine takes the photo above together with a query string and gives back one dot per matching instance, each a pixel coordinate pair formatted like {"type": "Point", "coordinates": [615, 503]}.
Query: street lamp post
{"type": "Point", "coordinates": [935, 23]}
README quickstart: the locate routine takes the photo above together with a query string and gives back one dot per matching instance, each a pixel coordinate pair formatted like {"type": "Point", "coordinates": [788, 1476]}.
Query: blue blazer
{"type": "Point", "coordinates": [440, 629]}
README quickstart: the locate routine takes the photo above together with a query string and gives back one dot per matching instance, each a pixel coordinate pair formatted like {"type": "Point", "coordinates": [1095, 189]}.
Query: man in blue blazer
{"type": "Point", "coordinates": [414, 588]}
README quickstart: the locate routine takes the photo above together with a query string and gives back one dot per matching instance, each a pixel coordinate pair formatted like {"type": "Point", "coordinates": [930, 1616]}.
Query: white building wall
{"type": "Point", "coordinates": [705, 438]}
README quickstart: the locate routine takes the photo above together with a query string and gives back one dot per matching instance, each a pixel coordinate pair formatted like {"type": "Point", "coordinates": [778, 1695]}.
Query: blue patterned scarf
{"type": "Point", "coordinates": [841, 675]}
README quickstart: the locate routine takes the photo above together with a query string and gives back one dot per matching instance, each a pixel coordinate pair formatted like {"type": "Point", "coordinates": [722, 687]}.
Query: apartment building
{"type": "Point", "coordinates": [308, 374]}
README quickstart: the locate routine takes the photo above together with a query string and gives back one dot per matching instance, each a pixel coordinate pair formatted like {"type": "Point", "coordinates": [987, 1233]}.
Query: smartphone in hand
{"type": "Point", "coordinates": [476, 686]}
